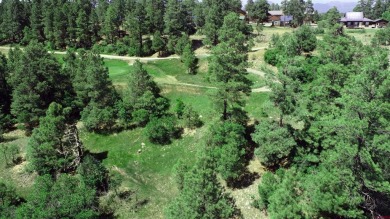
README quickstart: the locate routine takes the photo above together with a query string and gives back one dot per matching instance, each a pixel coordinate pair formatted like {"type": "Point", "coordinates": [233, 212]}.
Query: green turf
{"type": "Point", "coordinates": [150, 171]}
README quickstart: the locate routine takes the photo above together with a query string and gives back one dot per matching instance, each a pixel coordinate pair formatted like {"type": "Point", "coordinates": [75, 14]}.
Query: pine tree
{"type": "Point", "coordinates": [36, 20]}
{"type": "Point", "coordinates": [5, 93]}
{"type": "Point", "coordinates": [228, 69]}
{"type": "Point", "coordinates": [309, 12]}
{"type": "Point", "coordinates": [215, 11]}
{"type": "Point", "coordinates": [12, 23]}
{"type": "Point", "coordinates": [83, 33]}
{"type": "Point", "coordinates": [95, 95]}
{"type": "Point", "coordinates": [158, 43]}
{"type": "Point", "coordinates": [142, 100]}
{"type": "Point", "coordinates": [227, 143]}
{"type": "Point", "coordinates": [296, 8]}
{"type": "Point", "coordinates": [37, 81]}
{"type": "Point", "coordinates": [136, 25]}
{"type": "Point", "coordinates": [189, 59]}
{"type": "Point", "coordinates": [260, 11]}
{"type": "Point", "coordinates": [110, 25]}
{"type": "Point", "coordinates": [202, 196]}
{"type": "Point", "coordinates": [249, 7]}
{"type": "Point", "coordinates": [155, 10]}
{"type": "Point", "coordinates": [68, 196]}
{"type": "Point", "coordinates": [51, 151]}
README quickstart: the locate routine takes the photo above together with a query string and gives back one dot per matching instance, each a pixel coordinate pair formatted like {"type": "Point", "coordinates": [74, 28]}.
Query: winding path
{"type": "Point", "coordinates": [132, 58]}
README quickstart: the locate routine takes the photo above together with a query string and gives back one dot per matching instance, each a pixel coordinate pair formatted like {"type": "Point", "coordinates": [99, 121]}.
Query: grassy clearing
{"type": "Point", "coordinates": [147, 170]}
{"type": "Point", "coordinates": [364, 35]}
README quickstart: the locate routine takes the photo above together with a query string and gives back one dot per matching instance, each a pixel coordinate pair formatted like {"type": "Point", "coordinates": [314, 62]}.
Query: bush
{"type": "Point", "coordinates": [161, 130]}
{"type": "Point", "coordinates": [110, 48]}
{"type": "Point", "coordinates": [191, 118]}
{"type": "Point", "coordinates": [179, 108]}
{"type": "Point", "coordinates": [147, 48]}
{"type": "Point", "coordinates": [121, 49]}
{"type": "Point", "coordinates": [98, 118]}
{"type": "Point", "coordinates": [271, 57]}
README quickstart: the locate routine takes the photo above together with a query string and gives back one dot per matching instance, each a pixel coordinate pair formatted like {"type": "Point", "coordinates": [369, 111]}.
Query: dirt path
{"type": "Point", "coordinates": [128, 58]}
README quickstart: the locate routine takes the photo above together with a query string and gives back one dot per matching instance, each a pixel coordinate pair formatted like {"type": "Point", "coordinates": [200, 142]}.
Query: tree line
{"type": "Point", "coordinates": [133, 27]}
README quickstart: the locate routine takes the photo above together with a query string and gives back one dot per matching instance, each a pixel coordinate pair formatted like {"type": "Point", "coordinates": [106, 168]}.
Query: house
{"type": "Point", "coordinates": [286, 20]}
{"type": "Point", "coordinates": [274, 17]}
{"type": "Point", "coordinates": [379, 23]}
{"type": "Point", "coordinates": [356, 20]}
{"type": "Point", "coordinates": [242, 14]}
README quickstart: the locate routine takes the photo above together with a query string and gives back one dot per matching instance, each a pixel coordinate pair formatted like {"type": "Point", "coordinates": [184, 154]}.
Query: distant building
{"type": "Point", "coordinates": [381, 23]}
{"type": "Point", "coordinates": [277, 18]}
{"type": "Point", "coordinates": [286, 20]}
{"type": "Point", "coordinates": [242, 14]}
{"type": "Point", "coordinates": [357, 20]}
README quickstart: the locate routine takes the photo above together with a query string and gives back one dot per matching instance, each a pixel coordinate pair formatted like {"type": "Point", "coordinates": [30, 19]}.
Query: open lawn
{"type": "Point", "coordinates": [364, 35]}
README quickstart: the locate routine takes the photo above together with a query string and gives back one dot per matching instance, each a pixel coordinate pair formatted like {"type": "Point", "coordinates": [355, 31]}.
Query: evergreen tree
{"type": "Point", "coordinates": [249, 7]}
{"type": "Point", "coordinates": [54, 147]}
{"type": "Point", "coordinates": [189, 59]}
{"type": "Point", "coordinates": [155, 11]}
{"type": "Point", "coordinates": [306, 38]}
{"type": "Point", "coordinates": [175, 18]}
{"type": "Point", "coordinates": [158, 43]}
{"type": "Point", "coordinates": [260, 11]}
{"type": "Point", "coordinates": [95, 94]}
{"type": "Point", "coordinates": [202, 196]}
{"type": "Point", "coordinates": [136, 24]}
{"type": "Point", "coordinates": [228, 143]}
{"type": "Point", "coordinates": [365, 6]}
{"type": "Point", "coordinates": [5, 93]}
{"type": "Point", "coordinates": [111, 24]}
{"type": "Point", "coordinates": [37, 81]}
{"type": "Point", "coordinates": [215, 11]}
{"type": "Point", "coordinates": [82, 31]}
{"type": "Point", "coordinates": [36, 20]}
{"type": "Point", "coordinates": [68, 196]}
{"type": "Point", "coordinates": [309, 11]}
{"type": "Point", "coordinates": [296, 8]}
{"type": "Point", "coordinates": [13, 21]}
{"type": "Point", "coordinates": [228, 69]}
{"type": "Point", "coordinates": [275, 143]}
{"type": "Point", "coordinates": [142, 100]}
{"type": "Point", "coordinates": [9, 201]}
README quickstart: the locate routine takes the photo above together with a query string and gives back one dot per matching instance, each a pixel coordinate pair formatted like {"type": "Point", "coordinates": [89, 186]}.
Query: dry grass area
{"type": "Point", "coordinates": [17, 174]}
{"type": "Point", "coordinates": [246, 196]}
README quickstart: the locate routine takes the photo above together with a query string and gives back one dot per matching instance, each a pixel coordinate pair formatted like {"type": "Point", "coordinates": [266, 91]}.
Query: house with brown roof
{"type": "Point", "coordinates": [278, 18]}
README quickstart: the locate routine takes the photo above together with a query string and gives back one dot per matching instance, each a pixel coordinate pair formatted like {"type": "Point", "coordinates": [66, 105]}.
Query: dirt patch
{"type": "Point", "coordinates": [245, 197]}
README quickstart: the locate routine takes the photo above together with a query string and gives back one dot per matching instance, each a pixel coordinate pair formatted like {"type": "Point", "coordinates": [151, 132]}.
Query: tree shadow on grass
{"type": "Point", "coordinates": [245, 180]}
{"type": "Point", "coordinates": [196, 44]}
{"type": "Point", "coordinates": [98, 156]}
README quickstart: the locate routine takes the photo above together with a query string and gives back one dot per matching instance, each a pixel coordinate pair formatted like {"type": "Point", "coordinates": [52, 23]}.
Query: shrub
{"type": "Point", "coordinates": [179, 108]}
{"type": "Point", "coordinates": [110, 48]}
{"type": "Point", "coordinates": [191, 118]}
{"type": "Point", "coordinates": [161, 130]}
{"type": "Point", "coordinates": [121, 49]}
{"type": "Point", "coordinates": [98, 118]}
{"type": "Point", "coordinates": [271, 56]}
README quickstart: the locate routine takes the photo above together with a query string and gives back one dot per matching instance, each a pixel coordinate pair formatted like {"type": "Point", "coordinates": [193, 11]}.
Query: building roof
{"type": "Point", "coordinates": [276, 13]}
{"type": "Point", "coordinates": [286, 18]}
{"type": "Point", "coordinates": [377, 20]}
{"type": "Point", "coordinates": [355, 17]}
